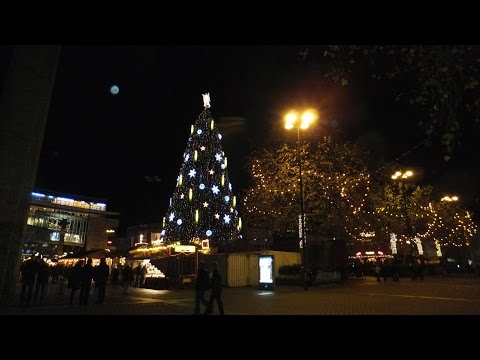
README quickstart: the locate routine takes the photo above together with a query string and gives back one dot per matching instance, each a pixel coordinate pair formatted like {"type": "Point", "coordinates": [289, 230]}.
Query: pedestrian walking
{"type": "Point", "coordinates": [202, 284]}
{"type": "Point", "coordinates": [127, 276]}
{"type": "Point", "coordinates": [100, 276]}
{"type": "Point", "coordinates": [86, 282]}
{"type": "Point", "coordinates": [216, 291]}
{"type": "Point", "coordinates": [29, 270]}
{"type": "Point", "coordinates": [74, 279]}
{"type": "Point", "coordinates": [43, 277]}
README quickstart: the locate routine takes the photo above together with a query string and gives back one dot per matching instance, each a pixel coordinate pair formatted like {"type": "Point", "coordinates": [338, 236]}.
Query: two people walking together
{"type": "Point", "coordinates": [205, 283]}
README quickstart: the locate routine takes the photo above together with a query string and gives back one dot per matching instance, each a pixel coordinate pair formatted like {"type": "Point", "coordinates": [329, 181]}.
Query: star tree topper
{"type": "Point", "coordinates": [206, 100]}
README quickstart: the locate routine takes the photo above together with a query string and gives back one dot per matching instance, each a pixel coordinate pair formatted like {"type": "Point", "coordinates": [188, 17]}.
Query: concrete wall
{"type": "Point", "coordinates": [24, 109]}
{"type": "Point", "coordinates": [97, 236]}
{"type": "Point", "coordinates": [283, 258]}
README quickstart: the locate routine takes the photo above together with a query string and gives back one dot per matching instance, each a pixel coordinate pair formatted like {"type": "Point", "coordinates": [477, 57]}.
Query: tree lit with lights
{"type": "Point", "coordinates": [343, 201]}
{"type": "Point", "coordinates": [203, 205]}
{"type": "Point", "coordinates": [336, 187]}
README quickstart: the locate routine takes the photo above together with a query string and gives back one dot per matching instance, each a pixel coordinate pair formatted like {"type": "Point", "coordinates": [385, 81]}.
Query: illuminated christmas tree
{"type": "Point", "coordinates": [203, 205]}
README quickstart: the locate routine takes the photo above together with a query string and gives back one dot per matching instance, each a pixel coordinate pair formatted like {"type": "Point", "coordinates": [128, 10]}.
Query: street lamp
{"type": "Point", "coordinates": [449, 198]}
{"type": "Point", "coordinates": [151, 180]}
{"type": "Point", "coordinates": [294, 119]}
{"type": "Point", "coordinates": [401, 176]}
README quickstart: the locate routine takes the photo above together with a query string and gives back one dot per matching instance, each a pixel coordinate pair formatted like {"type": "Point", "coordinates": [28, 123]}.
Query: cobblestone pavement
{"type": "Point", "coordinates": [432, 296]}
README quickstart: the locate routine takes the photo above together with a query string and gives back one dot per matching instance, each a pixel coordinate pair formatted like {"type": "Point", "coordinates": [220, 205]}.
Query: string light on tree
{"type": "Point", "coordinates": [438, 248]}
{"type": "Point", "coordinates": [393, 243]}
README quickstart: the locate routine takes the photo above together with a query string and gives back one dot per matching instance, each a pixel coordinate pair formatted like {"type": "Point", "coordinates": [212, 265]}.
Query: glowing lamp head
{"type": "Point", "coordinates": [407, 174]}
{"type": "Point", "coordinates": [396, 175]}
{"type": "Point", "coordinates": [308, 117]}
{"type": "Point", "coordinates": [290, 120]}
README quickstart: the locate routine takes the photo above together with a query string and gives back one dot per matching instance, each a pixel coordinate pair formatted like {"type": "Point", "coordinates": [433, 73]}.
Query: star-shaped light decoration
{"type": "Point", "coordinates": [202, 148]}
{"type": "Point", "coordinates": [211, 172]}
{"type": "Point", "coordinates": [171, 217]}
{"type": "Point", "coordinates": [192, 173]}
{"type": "Point", "coordinates": [187, 157]}
{"type": "Point", "coordinates": [226, 218]}
{"type": "Point", "coordinates": [215, 189]}
{"type": "Point", "coordinates": [231, 209]}
{"type": "Point", "coordinates": [218, 157]}
{"type": "Point", "coordinates": [206, 100]}
{"type": "Point", "coordinates": [181, 197]}
{"type": "Point", "coordinates": [205, 204]}
{"type": "Point", "coordinates": [217, 216]}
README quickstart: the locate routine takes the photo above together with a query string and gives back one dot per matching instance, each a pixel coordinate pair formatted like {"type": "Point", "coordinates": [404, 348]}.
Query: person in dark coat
{"type": "Point", "coordinates": [43, 276]}
{"type": "Point", "coordinates": [29, 270]}
{"type": "Point", "coordinates": [216, 292]}
{"type": "Point", "coordinates": [101, 274]}
{"type": "Point", "coordinates": [202, 284]}
{"type": "Point", "coordinates": [86, 282]}
{"type": "Point", "coordinates": [74, 279]}
{"type": "Point", "coordinates": [115, 275]}
{"type": "Point", "coordinates": [127, 276]}
{"type": "Point", "coordinates": [138, 275]}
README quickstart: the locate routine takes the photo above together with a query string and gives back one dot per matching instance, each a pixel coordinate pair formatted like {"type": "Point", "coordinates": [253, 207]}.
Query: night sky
{"type": "Point", "coordinates": [102, 145]}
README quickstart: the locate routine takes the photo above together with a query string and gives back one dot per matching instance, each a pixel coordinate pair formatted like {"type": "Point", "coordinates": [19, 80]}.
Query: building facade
{"type": "Point", "coordinates": [143, 233]}
{"type": "Point", "coordinates": [64, 223]}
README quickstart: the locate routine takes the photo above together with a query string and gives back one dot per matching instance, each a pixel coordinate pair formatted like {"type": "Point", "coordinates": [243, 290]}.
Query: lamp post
{"type": "Point", "coordinates": [151, 180]}
{"type": "Point", "coordinates": [402, 176]}
{"type": "Point", "coordinates": [294, 119]}
{"type": "Point", "coordinates": [87, 225]}
{"type": "Point", "coordinates": [448, 205]}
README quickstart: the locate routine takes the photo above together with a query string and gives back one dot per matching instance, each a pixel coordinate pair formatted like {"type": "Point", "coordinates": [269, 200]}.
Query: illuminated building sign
{"type": "Point", "coordinates": [184, 248]}
{"type": "Point", "coordinates": [69, 202]}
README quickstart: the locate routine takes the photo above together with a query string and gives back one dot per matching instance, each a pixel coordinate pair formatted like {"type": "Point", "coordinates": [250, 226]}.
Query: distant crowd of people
{"type": "Point", "coordinates": [37, 275]}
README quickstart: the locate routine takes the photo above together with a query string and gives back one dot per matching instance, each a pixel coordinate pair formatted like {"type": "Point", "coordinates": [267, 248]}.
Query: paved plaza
{"type": "Point", "coordinates": [364, 296]}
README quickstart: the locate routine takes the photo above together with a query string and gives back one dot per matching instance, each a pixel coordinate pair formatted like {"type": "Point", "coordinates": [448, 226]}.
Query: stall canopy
{"type": "Point", "coordinates": [95, 254]}
{"type": "Point", "coordinates": [120, 253]}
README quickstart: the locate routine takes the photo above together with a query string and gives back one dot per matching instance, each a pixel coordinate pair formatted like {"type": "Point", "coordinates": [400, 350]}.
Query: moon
{"type": "Point", "coordinates": [114, 90]}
